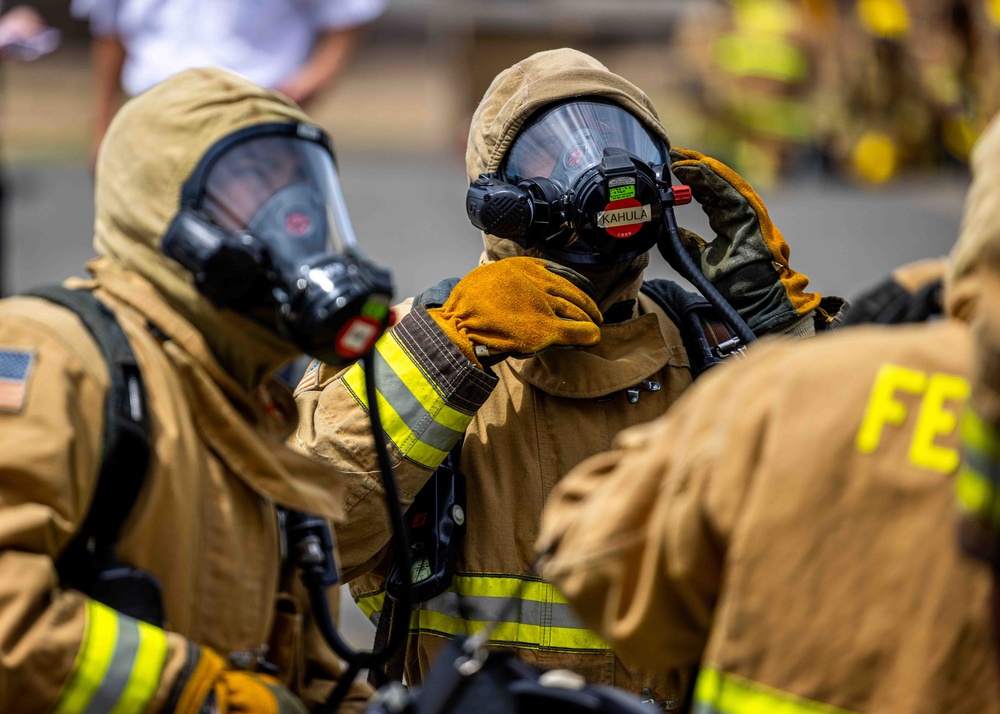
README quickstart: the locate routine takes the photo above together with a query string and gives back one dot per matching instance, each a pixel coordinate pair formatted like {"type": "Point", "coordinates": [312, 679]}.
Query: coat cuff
{"type": "Point", "coordinates": [428, 391]}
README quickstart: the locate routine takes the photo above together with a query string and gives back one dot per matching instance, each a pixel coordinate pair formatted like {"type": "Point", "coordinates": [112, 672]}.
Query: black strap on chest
{"type": "Point", "coordinates": [707, 339]}
{"type": "Point", "coordinates": [125, 451]}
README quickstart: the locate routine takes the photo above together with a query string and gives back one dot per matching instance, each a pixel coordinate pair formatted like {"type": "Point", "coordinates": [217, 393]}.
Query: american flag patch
{"type": "Point", "coordinates": [310, 379]}
{"type": "Point", "coordinates": [15, 370]}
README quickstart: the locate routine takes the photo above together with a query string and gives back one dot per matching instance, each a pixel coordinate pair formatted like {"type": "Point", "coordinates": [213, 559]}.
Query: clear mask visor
{"type": "Point", "coordinates": [564, 141]}
{"type": "Point", "coordinates": [286, 192]}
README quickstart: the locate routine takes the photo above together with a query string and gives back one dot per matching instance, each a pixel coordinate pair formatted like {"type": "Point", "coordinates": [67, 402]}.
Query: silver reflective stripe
{"type": "Point", "coordinates": [410, 410]}
{"type": "Point", "coordinates": [490, 609]}
{"type": "Point", "coordinates": [119, 670]}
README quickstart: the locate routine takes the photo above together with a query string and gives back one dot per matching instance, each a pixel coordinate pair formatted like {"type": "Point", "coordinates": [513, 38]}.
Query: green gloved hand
{"type": "Point", "coordinates": [748, 260]}
{"type": "Point", "coordinates": [519, 307]}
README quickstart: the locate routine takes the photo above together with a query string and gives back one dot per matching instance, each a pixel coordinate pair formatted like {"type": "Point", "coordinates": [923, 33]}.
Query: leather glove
{"type": "Point", "coordinates": [212, 688]}
{"type": "Point", "coordinates": [519, 306]}
{"type": "Point", "coordinates": [748, 260]}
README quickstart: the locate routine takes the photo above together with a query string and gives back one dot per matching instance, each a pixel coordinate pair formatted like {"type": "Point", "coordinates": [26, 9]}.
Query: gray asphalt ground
{"type": "Point", "coordinates": [409, 215]}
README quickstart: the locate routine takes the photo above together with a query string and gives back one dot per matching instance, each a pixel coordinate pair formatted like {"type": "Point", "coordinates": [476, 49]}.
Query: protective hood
{"type": "Point", "coordinates": [522, 90]}
{"type": "Point", "coordinates": [150, 149]}
{"type": "Point", "coordinates": [977, 252]}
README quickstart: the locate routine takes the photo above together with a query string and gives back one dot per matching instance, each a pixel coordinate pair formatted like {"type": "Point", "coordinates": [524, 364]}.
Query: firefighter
{"type": "Point", "coordinates": [211, 195]}
{"type": "Point", "coordinates": [471, 363]}
{"type": "Point", "coordinates": [789, 526]}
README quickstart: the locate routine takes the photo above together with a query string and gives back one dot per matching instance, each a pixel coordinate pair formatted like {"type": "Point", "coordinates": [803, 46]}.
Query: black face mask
{"type": "Point", "coordinates": [584, 182]}
{"type": "Point", "coordinates": [292, 264]}
{"type": "Point", "coordinates": [611, 213]}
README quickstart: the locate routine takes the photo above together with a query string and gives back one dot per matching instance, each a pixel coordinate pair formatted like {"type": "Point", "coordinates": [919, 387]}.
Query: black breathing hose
{"type": "Point", "coordinates": [317, 586]}
{"type": "Point", "coordinates": [677, 256]}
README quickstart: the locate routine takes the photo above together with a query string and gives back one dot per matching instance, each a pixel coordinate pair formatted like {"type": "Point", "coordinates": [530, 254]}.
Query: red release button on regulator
{"type": "Point", "coordinates": [682, 194]}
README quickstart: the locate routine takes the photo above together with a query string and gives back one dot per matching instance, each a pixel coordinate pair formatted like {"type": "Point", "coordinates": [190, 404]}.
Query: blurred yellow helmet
{"type": "Point", "coordinates": [875, 157]}
{"type": "Point", "coordinates": [887, 19]}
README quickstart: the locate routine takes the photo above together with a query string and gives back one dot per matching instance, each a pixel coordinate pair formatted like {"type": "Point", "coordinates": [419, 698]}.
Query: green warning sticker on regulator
{"type": "Point", "coordinates": [620, 192]}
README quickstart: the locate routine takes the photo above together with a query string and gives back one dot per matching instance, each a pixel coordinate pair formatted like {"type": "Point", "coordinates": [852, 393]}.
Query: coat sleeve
{"type": "Point", "coordinates": [636, 538]}
{"type": "Point", "coordinates": [60, 651]}
{"type": "Point", "coordinates": [428, 394]}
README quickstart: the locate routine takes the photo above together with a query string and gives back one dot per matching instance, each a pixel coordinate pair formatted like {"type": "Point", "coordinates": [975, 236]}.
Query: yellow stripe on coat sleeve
{"type": "Point", "coordinates": [118, 666]}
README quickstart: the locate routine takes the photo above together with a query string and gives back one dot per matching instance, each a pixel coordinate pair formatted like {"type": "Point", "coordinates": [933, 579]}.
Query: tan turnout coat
{"type": "Point", "coordinates": [791, 523]}
{"type": "Point", "coordinates": [205, 522]}
{"type": "Point", "coordinates": [524, 426]}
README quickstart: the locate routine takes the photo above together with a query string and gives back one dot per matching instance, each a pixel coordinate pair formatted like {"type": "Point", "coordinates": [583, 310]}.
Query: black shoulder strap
{"type": "Point", "coordinates": [451, 542]}
{"type": "Point", "coordinates": [707, 338]}
{"type": "Point", "coordinates": [125, 453]}
{"type": "Point", "coordinates": [889, 303]}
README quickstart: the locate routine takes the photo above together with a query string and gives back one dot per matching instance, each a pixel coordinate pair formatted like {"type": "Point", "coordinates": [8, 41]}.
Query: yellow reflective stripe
{"type": "Point", "coordinates": [371, 604]}
{"type": "Point", "coordinates": [145, 676]}
{"type": "Point", "coordinates": [975, 493]}
{"type": "Point", "coordinates": [979, 435]}
{"type": "Point", "coordinates": [721, 693]}
{"type": "Point", "coordinates": [396, 429]}
{"type": "Point", "coordinates": [100, 635]}
{"type": "Point", "coordinates": [506, 586]}
{"type": "Point", "coordinates": [976, 487]}
{"type": "Point", "coordinates": [513, 633]}
{"type": "Point", "coordinates": [427, 412]}
{"type": "Point", "coordinates": [441, 616]}
{"type": "Point", "coordinates": [406, 368]}
{"type": "Point", "coordinates": [118, 666]}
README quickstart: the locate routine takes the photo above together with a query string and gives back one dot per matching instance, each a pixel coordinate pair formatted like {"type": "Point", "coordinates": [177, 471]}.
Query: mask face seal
{"type": "Point", "coordinates": [583, 182]}
{"type": "Point", "coordinates": [264, 230]}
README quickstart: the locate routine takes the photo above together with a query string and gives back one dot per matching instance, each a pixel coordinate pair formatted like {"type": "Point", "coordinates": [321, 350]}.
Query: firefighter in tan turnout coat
{"type": "Point", "coordinates": [205, 524]}
{"type": "Point", "coordinates": [790, 524]}
{"type": "Point", "coordinates": [529, 420]}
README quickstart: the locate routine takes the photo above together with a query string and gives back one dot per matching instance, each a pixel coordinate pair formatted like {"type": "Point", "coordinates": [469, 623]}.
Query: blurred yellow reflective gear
{"type": "Point", "coordinates": [958, 136]}
{"type": "Point", "coordinates": [993, 11]}
{"type": "Point", "coordinates": [875, 157]}
{"type": "Point", "coordinates": [884, 18]}
{"type": "Point", "coordinates": [762, 56]}
{"type": "Point", "coordinates": [775, 17]}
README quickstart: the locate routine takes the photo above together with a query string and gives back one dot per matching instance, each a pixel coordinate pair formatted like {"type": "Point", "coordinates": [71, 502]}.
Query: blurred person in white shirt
{"type": "Point", "coordinates": [295, 46]}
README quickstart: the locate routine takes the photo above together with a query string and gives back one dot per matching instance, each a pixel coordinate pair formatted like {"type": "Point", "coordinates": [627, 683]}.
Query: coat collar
{"type": "Point", "coordinates": [628, 353]}
{"type": "Point", "coordinates": [246, 431]}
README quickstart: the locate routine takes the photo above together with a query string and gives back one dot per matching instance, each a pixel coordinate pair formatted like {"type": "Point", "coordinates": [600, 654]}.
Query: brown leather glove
{"type": "Point", "coordinates": [519, 306]}
{"type": "Point", "coordinates": [212, 688]}
{"type": "Point", "coordinates": [748, 260]}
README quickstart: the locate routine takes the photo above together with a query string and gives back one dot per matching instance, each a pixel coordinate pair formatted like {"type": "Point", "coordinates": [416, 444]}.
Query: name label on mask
{"type": "Point", "coordinates": [624, 218]}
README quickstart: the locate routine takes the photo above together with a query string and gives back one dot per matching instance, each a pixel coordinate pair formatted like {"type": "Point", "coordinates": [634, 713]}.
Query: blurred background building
{"type": "Point", "coordinates": [853, 117]}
